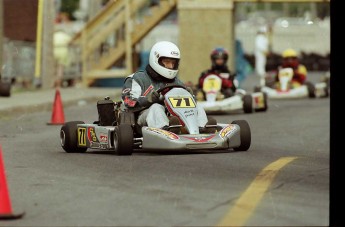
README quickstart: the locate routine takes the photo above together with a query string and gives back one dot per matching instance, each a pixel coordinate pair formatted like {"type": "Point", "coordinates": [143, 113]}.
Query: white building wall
{"type": "Point", "coordinates": [307, 38]}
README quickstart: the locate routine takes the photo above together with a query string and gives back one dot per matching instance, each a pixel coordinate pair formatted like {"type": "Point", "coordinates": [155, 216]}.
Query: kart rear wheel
{"type": "Point", "coordinates": [245, 135]}
{"type": "Point", "coordinates": [247, 103]}
{"type": "Point", "coordinates": [311, 89]}
{"type": "Point", "coordinates": [5, 89]}
{"type": "Point", "coordinates": [123, 139]}
{"type": "Point", "coordinates": [69, 137]}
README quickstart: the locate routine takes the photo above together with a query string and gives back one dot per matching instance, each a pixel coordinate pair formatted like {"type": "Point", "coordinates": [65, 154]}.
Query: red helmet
{"type": "Point", "coordinates": [219, 52]}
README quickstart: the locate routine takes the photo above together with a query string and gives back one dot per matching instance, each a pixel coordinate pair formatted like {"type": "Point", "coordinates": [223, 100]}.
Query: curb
{"type": "Point", "coordinates": [45, 105]}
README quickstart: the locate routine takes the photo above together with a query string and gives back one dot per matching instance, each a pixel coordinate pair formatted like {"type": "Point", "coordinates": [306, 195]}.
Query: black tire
{"type": "Point", "coordinates": [247, 104]}
{"type": "Point", "coordinates": [5, 89]}
{"type": "Point", "coordinates": [69, 137]}
{"type": "Point", "coordinates": [245, 135]}
{"type": "Point", "coordinates": [311, 89]}
{"type": "Point", "coordinates": [123, 139]}
{"type": "Point", "coordinates": [270, 82]}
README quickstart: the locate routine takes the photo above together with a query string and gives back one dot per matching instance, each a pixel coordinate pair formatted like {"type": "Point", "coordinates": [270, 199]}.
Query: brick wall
{"type": "Point", "coordinates": [20, 19]}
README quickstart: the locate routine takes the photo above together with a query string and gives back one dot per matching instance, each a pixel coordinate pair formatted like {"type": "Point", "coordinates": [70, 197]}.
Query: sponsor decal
{"type": "Point", "coordinates": [95, 145]}
{"type": "Point", "coordinates": [259, 100]}
{"type": "Point", "coordinates": [148, 90]}
{"type": "Point", "coordinates": [282, 91]}
{"type": "Point", "coordinates": [168, 134]}
{"type": "Point", "coordinates": [227, 131]}
{"type": "Point", "coordinates": [126, 90]}
{"type": "Point", "coordinates": [212, 83]}
{"type": "Point", "coordinates": [103, 146]}
{"type": "Point", "coordinates": [189, 113]}
{"type": "Point", "coordinates": [82, 137]}
{"type": "Point", "coordinates": [103, 138]}
{"type": "Point", "coordinates": [200, 139]}
{"type": "Point", "coordinates": [91, 135]}
{"type": "Point", "coordinates": [174, 53]}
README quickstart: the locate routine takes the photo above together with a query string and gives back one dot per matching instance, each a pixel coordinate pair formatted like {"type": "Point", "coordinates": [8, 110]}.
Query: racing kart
{"type": "Point", "coordinates": [284, 89]}
{"type": "Point", "coordinates": [117, 130]}
{"type": "Point", "coordinates": [213, 101]}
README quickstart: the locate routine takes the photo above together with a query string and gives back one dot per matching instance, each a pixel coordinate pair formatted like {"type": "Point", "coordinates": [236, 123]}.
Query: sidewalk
{"type": "Point", "coordinates": [40, 99]}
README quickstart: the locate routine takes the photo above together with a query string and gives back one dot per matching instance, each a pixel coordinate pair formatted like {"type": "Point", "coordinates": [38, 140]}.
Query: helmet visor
{"type": "Point", "coordinates": [169, 63]}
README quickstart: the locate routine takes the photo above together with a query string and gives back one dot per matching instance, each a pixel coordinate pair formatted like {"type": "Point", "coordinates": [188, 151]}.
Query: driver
{"type": "Point", "coordinates": [139, 91]}
{"type": "Point", "coordinates": [219, 57]}
{"type": "Point", "coordinates": [290, 60]}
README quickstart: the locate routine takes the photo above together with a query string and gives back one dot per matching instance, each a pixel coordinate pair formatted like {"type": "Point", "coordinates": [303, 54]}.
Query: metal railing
{"type": "Point", "coordinates": [19, 62]}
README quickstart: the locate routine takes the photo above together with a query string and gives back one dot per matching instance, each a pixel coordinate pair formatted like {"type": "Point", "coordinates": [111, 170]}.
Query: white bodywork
{"type": "Point", "coordinates": [215, 102]}
{"type": "Point", "coordinates": [180, 103]}
{"type": "Point", "coordinates": [285, 91]}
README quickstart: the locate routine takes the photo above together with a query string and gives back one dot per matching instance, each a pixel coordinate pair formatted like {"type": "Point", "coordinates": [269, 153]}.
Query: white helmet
{"type": "Point", "coordinates": [168, 50]}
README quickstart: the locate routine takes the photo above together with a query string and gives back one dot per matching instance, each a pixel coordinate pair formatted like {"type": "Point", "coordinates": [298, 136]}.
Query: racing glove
{"type": "Point", "coordinates": [190, 90]}
{"type": "Point", "coordinates": [153, 97]}
{"type": "Point", "coordinates": [227, 83]}
{"type": "Point", "coordinates": [299, 77]}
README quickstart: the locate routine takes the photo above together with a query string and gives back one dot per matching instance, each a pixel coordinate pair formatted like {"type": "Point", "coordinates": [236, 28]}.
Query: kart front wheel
{"type": "Point", "coordinates": [311, 89]}
{"type": "Point", "coordinates": [123, 139]}
{"type": "Point", "coordinates": [69, 137]}
{"type": "Point", "coordinates": [245, 135]}
{"type": "Point", "coordinates": [248, 104]}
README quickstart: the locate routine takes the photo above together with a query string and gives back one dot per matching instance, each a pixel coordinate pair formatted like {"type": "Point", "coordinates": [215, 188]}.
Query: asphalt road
{"type": "Point", "coordinates": [282, 180]}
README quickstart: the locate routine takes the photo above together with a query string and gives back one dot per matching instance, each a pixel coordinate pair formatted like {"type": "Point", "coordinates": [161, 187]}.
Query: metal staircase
{"type": "Point", "coordinates": [118, 22]}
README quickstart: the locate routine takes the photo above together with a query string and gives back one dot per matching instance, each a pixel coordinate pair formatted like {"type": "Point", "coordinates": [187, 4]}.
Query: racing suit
{"type": "Point", "coordinates": [138, 85]}
{"type": "Point", "coordinates": [228, 86]}
{"type": "Point", "coordinates": [299, 74]}
{"type": "Point", "coordinates": [261, 50]}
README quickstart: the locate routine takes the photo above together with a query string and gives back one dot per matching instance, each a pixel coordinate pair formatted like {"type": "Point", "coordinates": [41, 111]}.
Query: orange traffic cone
{"type": "Point", "coordinates": [58, 117]}
{"type": "Point", "coordinates": [5, 203]}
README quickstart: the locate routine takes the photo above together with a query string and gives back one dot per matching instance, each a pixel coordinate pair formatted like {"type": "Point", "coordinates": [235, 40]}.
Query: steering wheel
{"type": "Point", "coordinates": [170, 86]}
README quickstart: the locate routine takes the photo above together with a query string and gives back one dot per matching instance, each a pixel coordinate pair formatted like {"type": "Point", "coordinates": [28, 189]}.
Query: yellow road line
{"type": "Point", "coordinates": [248, 201]}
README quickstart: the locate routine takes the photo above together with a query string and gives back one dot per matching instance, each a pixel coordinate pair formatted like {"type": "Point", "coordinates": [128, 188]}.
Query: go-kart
{"type": "Point", "coordinates": [117, 130]}
{"type": "Point", "coordinates": [284, 89]}
{"type": "Point", "coordinates": [213, 101]}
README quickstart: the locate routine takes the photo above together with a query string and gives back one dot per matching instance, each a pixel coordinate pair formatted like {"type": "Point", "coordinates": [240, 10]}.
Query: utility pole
{"type": "Point", "coordinates": [48, 67]}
